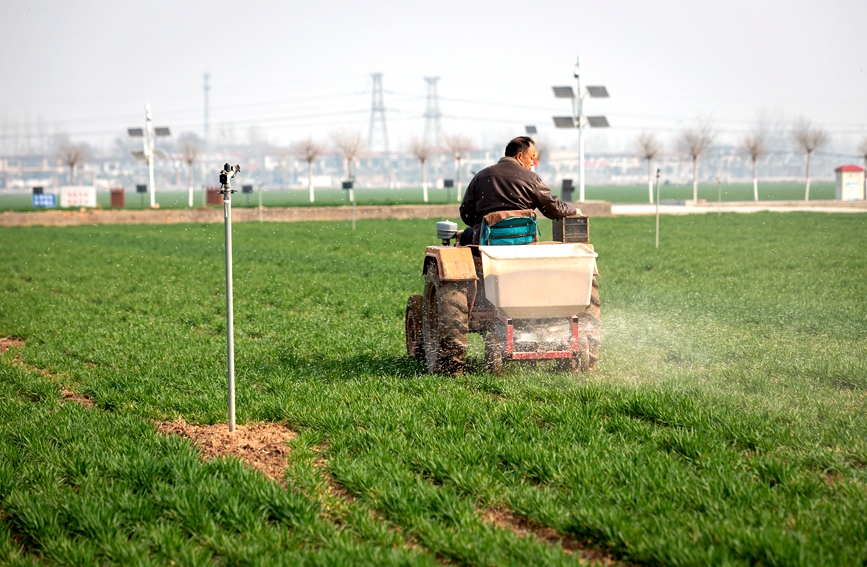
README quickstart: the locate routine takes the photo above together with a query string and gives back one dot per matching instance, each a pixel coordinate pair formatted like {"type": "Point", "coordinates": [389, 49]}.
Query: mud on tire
{"type": "Point", "coordinates": [413, 325]}
{"type": "Point", "coordinates": [590, 327]}
{"type": "Point", "coordinates": [445, 324]}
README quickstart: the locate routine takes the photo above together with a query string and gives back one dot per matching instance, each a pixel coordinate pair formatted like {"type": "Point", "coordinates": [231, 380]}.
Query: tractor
{"type": "Point", "coordinates": [530, 302]}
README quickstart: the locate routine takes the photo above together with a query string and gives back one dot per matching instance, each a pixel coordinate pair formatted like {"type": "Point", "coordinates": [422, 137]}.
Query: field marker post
{"type": "Point", "coordinates": [225, 181]}
{"type": "Point", "coordinates": [657, 207]}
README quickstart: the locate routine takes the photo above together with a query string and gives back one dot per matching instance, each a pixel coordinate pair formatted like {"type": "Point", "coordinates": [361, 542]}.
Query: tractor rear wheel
{"type": "Point", "coordinates": [445, 324]}
{"type": "Point", "coordinates": [590, 329]}
{"type": "Point", "coordinates": [414, 331]}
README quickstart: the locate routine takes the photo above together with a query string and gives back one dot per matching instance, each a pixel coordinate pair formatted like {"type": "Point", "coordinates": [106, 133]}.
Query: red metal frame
{"type": "Point", "coordinates": [510, 354]}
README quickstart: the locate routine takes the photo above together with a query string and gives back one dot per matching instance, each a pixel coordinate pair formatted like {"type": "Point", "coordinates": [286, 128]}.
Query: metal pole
{"type": "Point", "coordinates": [225, 180]}
{"type": "Point", "coordinates": [657, 207]}
{"type": "Point", "coordinates": [230, 319]}
{"type": "Point", "coordinates": [581, 159]}
{"type": "Point", "coordinates": [149, 151]}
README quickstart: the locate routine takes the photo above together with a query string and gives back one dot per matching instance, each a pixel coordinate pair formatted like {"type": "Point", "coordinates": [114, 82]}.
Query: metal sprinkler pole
{"type": "Point", "coordinates": [657, 207]}
{"type": "Point", "coordinates": [225, 180]}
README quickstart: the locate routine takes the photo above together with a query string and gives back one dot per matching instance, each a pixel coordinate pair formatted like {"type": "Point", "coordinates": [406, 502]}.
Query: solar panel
{"type": "Point", "coordinates": [162, 131]}
{"type": "Point", "coordinates": [563, 92]}
{"type": "Point", "coordinates": [564, 122]}
{"type": "Point", "coordinates": [135, 132]}
{"type": "Point", "coordinates": [159, 153]}
{"type": "Point", "coordinates": [141, 188]}
{"type": "Point", "coordinates": [597, 92]}
{"type": "Point", "coordinates": [530, 130]}
{"type": "Point", "coordinates": [137, 155]}
{"type": "Point", "coordinates": [598, 122]}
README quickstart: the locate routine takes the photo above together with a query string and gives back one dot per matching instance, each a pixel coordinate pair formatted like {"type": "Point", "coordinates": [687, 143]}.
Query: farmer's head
{"type": "Point", "coordinates": [522, 149]}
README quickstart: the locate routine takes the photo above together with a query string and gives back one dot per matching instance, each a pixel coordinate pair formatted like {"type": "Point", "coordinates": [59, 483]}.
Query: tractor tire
{"type": "Point", "coordinates": [590, 329]}
{"type": "Point", "coordinates": [414, 330]}
{"type": "Point", "coordinates": [493, 354]}
{"type": "Point", "coordinates": [445, 324]}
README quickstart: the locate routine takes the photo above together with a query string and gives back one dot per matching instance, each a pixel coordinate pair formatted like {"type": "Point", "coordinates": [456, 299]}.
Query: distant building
{"type": "Point", "coordinates": [850, 183]}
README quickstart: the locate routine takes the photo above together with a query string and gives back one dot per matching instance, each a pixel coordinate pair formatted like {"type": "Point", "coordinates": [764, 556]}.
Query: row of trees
{"type": "Point", "coordinates": [695, 141]}
{"type": "Point", "coordinates": [350, 144]}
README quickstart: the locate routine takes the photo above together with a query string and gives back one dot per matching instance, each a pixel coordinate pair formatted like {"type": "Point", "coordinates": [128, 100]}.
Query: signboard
{"type": "Point", "coordinates": [78, 196]}
{"type": "Point", "coordinates": [47, 200]}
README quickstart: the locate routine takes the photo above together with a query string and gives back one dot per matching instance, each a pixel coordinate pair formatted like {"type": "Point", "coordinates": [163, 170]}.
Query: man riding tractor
{"type": "Point", "coordinates": [530, 302]}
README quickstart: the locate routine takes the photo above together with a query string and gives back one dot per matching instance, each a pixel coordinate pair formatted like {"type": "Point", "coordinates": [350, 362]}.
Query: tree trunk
{"type": "Point", "coordinates": [695, 179]}
{"type": "Point", "coordinates": [190, 185]}
{"type": "Point", "coordinates": [755, 181]}
{"type": "Point", "coordinates": [72, 174]}
{"type": "Point", "coordinates": [458, 182]}
{"type": "Point", "coordinates": [352, 181]}
{"type": "Point", "coordinates": [649, 181]}
{"type": "Point", "coordinates": [424, 180]}
{"type": "Point", "coordinates": [807, 192]}
{"type": "Point", "coordinates": [310, 177]}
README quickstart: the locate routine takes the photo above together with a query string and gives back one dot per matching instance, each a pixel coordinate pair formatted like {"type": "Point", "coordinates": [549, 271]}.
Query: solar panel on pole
{"type": "Point", "coordinates": [563, 92]}
{"type": "Point", "coordinates": [564, 121]}
{"type": "Point", "coordinates": [598, 121]}
{"type": "Point", "coordinates": [597, 92]}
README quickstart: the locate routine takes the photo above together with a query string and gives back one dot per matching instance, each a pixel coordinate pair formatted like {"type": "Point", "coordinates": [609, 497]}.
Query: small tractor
{"type": "Point", "coordinates": [530, 302]}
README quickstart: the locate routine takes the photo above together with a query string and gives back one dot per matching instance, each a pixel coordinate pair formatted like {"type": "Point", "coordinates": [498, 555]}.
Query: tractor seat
{"type": "Point", "coordinates": [507, 228]}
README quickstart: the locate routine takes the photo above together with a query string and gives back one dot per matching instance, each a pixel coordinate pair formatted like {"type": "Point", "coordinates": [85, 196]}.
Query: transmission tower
{"type": "Point", "coordinates": [377, 117]}
{"type": "Point", "coordinates": [207, 87]}
{"type": "Point", "coordinates": [432, 114]}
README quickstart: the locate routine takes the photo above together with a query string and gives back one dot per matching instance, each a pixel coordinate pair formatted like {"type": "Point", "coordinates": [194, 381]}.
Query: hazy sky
{"type": "Point", "coordinates": [295, 69]}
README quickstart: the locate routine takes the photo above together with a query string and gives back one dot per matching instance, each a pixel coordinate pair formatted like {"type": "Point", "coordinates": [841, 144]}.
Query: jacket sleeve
{"type": "Point", "coordinates": [468, 205]}
{"type": "Point", "coordinates": [551, 206]}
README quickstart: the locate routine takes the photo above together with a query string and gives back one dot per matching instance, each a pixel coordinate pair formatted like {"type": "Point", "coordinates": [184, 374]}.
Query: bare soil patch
{"type": "Point", "coordinates": [70, 396]}
{"type": "Point", "coordinates": [261, 446]}
{"type": "Point", "coordinates": [8, 342]}
{"type": "Point", "coordinates": [507, 520]}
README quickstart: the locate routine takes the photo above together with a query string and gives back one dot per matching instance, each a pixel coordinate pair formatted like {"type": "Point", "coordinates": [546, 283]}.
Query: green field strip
{"type": "Point", "coordinates": [637, 193]}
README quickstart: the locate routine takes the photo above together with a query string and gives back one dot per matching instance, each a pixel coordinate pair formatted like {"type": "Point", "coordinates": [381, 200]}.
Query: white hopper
{"type": "Point", "coordinates": [538, 281]}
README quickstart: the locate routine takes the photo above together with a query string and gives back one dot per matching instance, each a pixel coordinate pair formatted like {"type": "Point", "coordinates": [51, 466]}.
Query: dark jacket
{"type": "Point", "coordinates": [508, 186]}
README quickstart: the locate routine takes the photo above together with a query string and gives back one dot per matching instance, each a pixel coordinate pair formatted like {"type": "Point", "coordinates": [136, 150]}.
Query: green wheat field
{"type": "Point", "coordinates": [725, 424]}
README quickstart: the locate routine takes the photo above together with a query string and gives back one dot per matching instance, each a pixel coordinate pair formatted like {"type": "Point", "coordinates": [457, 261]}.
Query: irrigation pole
{"type": "Point", "coordinates": [225, 181]}
{"type": "Point", "coordinates": [657, 207]}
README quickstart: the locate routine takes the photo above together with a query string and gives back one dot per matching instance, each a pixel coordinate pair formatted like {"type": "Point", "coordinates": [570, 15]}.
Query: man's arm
{"type": "Point", "coordinates": [551, 206]}
{"type": "Point", "coordinates": [468, 205]}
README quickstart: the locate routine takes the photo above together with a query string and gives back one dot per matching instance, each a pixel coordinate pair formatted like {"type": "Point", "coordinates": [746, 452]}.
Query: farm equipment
{"type": "Point", "coordinates": [530, 302]}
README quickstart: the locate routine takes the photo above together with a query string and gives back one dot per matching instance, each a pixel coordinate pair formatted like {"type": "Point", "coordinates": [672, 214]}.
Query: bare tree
{"type": "Point", "coordinates": [73, 154]}
{"type": "Point", "coordinates": [459, 145]}
{"type": "Point", "coordinates": [695, 142]}
{"type": "Point", "coordinates": [809, 139]}
{"type": "Point", "coordinates": [862, 149]}
{"type": "Point", "coordinates": [648, 146]}
{"type": "Point", "coordinates": [309, 149]}
{"type": "Point", "coordinates": [190, 153]}
{"type": "Point", "coordinates": [419, 148]}
{"type": "Point", "coordinates": [755, 146]}
{"type": "Point", "coordinates": [350, 144]}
